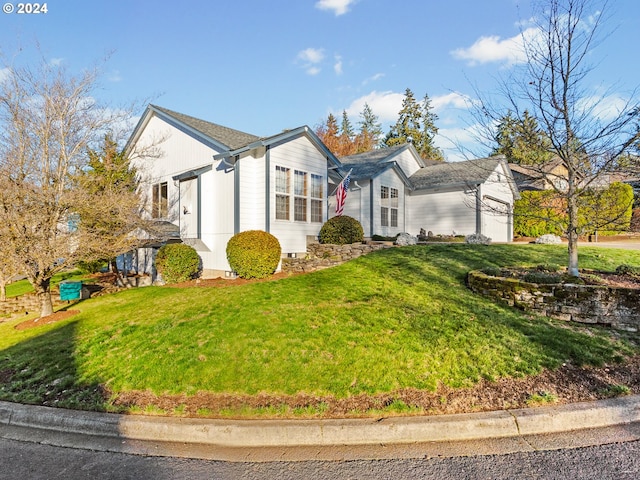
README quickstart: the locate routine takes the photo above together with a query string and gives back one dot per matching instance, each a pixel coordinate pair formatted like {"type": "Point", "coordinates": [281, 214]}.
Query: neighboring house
{"type": "Point", "coordinates": [393, 190]}
{"type": "Point", "coordinates": [550, 175]}
{"type": "Point", "coordinates": [213, 182]}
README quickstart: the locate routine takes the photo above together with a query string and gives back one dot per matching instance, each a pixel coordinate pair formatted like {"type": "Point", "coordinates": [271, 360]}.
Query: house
{"type": "Point", "coordinates": [213, 182]}
{"type": "Point", "coordinates": [551, 174]}
{"type": "Point", "coordinates": [393, 190]}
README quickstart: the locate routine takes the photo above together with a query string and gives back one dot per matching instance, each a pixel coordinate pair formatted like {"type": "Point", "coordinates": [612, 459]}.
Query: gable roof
{"type": "Point", "coordinates": [385, 154]}
{"type": "Point", "coordinates": [225, 136]}
{"type": "Point", "coordinates": [469, 172]}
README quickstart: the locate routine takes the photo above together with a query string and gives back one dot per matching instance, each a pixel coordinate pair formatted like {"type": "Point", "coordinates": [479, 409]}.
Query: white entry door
{"type": "Point", "coordinates": [189, 208]}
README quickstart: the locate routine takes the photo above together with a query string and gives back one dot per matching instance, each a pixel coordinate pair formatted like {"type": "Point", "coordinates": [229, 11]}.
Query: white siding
{"type": "Point", "coordinates": [407, 162]}
{"type": "Point", "coordinates": [443, 212]}
{"type": "Point", "coordinates": [296, 154]}
{"type": "Point", "coordinates": [496, 207]}
{"type": "Point", "coordinates": [388, 179]}
{"type": "Point", "coordinates": [252, 201]}
{"type": "Point", "coordinates": [180, 153]}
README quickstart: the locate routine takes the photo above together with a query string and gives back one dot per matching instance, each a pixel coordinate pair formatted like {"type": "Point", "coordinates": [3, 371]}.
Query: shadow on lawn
{"type": "Point", "coordinates": [42, 370]}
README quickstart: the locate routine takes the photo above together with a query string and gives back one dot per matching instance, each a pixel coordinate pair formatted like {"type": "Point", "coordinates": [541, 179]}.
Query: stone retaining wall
{"type": "Point", "coordinates": [321, 256]}
{"type": "Point", "coordinates": [28, 302]}
{"type": "Point", "coordinates": [595, 304]}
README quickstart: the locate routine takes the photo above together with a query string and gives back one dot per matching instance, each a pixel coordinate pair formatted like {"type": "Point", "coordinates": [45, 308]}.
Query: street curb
{"type": "Point", "coordinates": [58, 426]}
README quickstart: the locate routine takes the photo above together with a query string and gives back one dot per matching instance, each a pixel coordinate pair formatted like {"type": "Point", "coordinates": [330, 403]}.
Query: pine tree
{"type": "Point", "coordinates": [426, 146]}
{"type": "Point", "coordinates": [408, 123]}
{"type": "Point", "coordinates": [416, 121]}
{"type": "Point", "coordinates": [370, 130]}
{"type": "Point", "coordinates": [346, 138]}
{"type": "Point", "coordinates": [521, 141]}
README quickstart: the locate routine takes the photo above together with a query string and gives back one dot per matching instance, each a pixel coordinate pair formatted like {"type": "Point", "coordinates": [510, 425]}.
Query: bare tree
{"type": "Point", "coordinates": [581, 127]}
{"type": "Point", "coordinates": [49, 119]}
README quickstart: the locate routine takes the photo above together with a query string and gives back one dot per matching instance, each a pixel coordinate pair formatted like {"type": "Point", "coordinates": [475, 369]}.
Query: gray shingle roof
{"type": "Point", "coordinates": [372, 156]}
{"type": "Point", "coordinates": [227, 136]}
{"type": "Point", "coordinates": [470, 172]}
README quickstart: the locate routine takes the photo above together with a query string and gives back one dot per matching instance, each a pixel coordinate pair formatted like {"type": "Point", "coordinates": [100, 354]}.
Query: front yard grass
{"type": "Point", "coordinates": [397, 318]}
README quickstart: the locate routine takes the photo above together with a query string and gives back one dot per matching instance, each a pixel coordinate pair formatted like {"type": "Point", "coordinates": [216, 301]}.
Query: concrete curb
{"type": "Point", "coordinates": [91, 430]}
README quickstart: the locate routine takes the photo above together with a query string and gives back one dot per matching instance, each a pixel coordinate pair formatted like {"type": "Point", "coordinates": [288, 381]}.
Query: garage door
{"type": "Point", "coordinates": [496, 220]}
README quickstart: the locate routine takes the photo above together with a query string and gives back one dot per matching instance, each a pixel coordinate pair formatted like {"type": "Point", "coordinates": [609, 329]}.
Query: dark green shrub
{"type": "Point", "coordinates": [341, 230]}
{"type": "Point", "coordinates": [93, 266]}
{"type": "Point", "coordinates": [253, 254]}
{"type": "Point", "coordinates": [177, 262]}
{"type": "Point", "coordinates": [493, 271]}
{"type": "Point", "coordinates": [541, 277]}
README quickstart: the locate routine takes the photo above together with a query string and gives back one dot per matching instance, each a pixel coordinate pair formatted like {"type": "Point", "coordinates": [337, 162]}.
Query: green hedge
{"type": "Point", "coordinates": [341, 230]}
{"type": "Point", "coordinates": [177, 262]}
{"type": "Point", "coordinates": [606, 210]}
{"type": "Point", "coordinates": [253, 254]}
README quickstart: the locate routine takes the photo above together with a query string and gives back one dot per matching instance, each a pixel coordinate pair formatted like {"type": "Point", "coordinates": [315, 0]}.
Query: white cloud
{"type": "Point", "coordinates": [373, 78]}
{"type": "Point", "coordinates": [453, 99]}
{"type": "Point", "coordinates": [604, 108]}
{"type": "Point", "coordinates": [339, 7]}
{"type": "Point", "coordinates": [310, 59]}
{"type": "Point", "coordinates": [492, 49]}
{"type": "Point", "coordinates": [385, 105]}
{"type": "Point", "coordinates": [337, 67]}
{"type": "Point", "coordinates": [56, 62]}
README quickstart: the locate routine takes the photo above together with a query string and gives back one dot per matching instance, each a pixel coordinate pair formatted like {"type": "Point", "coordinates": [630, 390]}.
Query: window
{"type": "Point", "coordinates": [160, 201]}
{"type": "Point", "coordinates": [300, 192]}
{"type": "Point", "coordinates": [282, 193]}
{"type": "Point", "coordinates": [388, 206]}
{"type": "Point", "coordinates": [317, 191]}
{"type": "Point", "coordinates": [308, 195]}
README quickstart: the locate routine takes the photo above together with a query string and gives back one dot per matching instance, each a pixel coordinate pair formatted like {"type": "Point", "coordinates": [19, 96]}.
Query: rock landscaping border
{"type": "Point", "coordinates": [616, 307]}
{"type": "Point", "coordinates": [321, 255]}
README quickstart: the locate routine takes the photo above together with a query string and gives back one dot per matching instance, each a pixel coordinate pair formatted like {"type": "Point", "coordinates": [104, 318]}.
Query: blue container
{"type": "Point", "coordinates": [70, 290]}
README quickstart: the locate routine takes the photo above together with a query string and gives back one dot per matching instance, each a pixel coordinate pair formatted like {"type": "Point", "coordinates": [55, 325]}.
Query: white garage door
{"type": "Point", "coordinates": [496, 221]}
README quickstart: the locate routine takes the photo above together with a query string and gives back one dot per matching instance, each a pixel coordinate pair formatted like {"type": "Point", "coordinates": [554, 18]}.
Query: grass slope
{"type": "Point", "coordinates": [396, 318]}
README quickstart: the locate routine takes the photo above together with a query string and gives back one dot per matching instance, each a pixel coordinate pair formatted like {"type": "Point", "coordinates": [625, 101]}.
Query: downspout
{"type": "Point", "coordinates": [267, 186]}
{"type": "Point", "coordinates": [199, 206]}
{"type": "Point", "coordinates": [479, 209]}
{"type": "Point", "coordinates": [371, 197]}
{"type": "Point", "coordinates": [236, 196]}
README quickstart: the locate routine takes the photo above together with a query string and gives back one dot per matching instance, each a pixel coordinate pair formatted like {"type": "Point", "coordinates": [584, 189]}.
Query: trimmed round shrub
{"type": "Point", "coordinates": [253, 254]}
{"type": "Point", "coordinates": [341, 230]}
{"type": "Point", "coordinates": [177, 262]}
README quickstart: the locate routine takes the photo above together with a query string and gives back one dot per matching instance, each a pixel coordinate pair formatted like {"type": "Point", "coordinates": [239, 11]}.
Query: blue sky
{"type": "Point", "coordinates": [262, 66]}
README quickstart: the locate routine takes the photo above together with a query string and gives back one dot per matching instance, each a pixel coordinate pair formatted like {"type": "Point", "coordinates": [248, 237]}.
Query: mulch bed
{"type": "Point", "coordinates": [38, 322]}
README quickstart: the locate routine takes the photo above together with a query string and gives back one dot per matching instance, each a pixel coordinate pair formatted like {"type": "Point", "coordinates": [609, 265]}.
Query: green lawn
{"type": "Point", "coordinates": [396, 318]}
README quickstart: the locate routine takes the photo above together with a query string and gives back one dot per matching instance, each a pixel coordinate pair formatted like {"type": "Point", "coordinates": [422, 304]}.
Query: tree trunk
{"type": "Point", "coordinates": [3, 292]}
{"type": "Point", "coordinates": [572, 234]}
{"type": "Point", "coordinates": [42, 287]}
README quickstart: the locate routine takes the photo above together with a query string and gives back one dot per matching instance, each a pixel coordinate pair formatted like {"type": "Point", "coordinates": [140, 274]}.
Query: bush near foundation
{"type": "Point", "coordinates": [253, 254]}
{"type": "Point", "coordinates": [341, 230]}
{"type": "Point", "coordinates": [177, 262]}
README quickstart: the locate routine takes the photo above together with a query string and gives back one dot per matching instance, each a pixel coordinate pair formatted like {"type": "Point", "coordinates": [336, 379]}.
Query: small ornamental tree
{"type": "Point", "coordinates": [253, 254]}
{"type": "Point", "coordinates": [341, 230]}
{"type": "Point", "coordinates": [177, 262]}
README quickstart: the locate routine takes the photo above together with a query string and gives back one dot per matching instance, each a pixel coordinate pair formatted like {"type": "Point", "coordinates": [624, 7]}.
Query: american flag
{"type": "Point", "coordinates": [341, 193]}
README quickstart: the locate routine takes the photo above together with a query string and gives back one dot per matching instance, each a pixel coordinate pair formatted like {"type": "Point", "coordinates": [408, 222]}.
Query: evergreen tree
{"type": "Point", "coordinates": [408, 123]}
{"type": "Point", "coordinates": [370, 130]}
{"type": "Point", "coordinates": [346, 138]}
{"type": "Point", "coordinates": [426, 146]}
{"type": "Point", "coordinates": [521, 141]}
{"type": "Point", "coordinates": [416, 121]}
